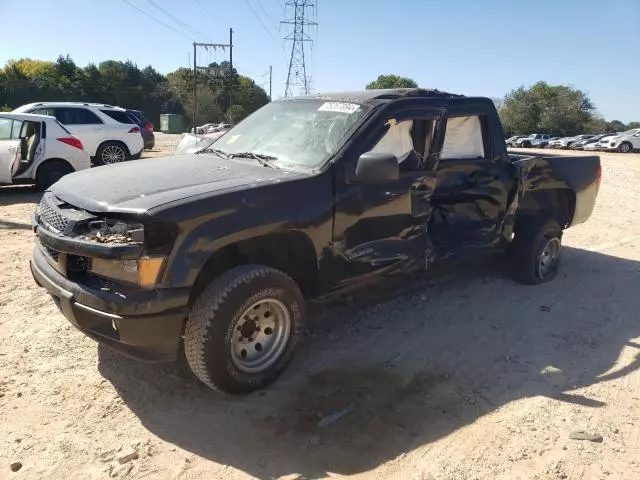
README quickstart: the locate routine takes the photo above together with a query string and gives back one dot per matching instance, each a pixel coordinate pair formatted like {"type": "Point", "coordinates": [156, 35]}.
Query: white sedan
{"type": "Point", "coordinates": [37, 149]}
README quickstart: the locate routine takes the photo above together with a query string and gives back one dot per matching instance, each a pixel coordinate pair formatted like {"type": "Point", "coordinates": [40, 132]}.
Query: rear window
{"type": "Point", "coordinates": [76, 116]}
{"type": "Point", "coordinates": [119, 116]}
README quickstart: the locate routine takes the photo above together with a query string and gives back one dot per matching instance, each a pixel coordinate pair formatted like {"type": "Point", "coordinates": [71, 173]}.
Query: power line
{"type": "Point", "coordinates": [156, 20]}
{"type": "Point", "coordinates": [260, 20]}
{"type": "Point", "coordinates": [266, 14]}
{"type": "Point", "coordinates": [177, 20]}
{"type": "Point", "coordinates": [206, 10]}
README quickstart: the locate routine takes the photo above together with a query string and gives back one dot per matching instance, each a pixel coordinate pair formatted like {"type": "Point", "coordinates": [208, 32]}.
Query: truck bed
{"type": "Point", "coordinates": [580, 174]}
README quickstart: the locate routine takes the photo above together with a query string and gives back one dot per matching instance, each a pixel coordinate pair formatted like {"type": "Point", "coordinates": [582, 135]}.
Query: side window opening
{"type": "Point", "coordinates": [409, 140]}
{"type": "Point", "coordinates": [119, 116]}
{"type": "Point", "coordinates": [397, 140]}
{"type": "Point", "coordinates": [6, 128]}
{"type": "Point", "coordinates": [463, 138]}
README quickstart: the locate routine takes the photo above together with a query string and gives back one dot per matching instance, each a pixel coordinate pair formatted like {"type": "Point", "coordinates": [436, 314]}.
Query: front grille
{"type": "Point", "coordinates": [77, 264]}
{"type": "Point", "coordinates": [50, 216]}
{"type": "Point", "coordinates": [52, 253]}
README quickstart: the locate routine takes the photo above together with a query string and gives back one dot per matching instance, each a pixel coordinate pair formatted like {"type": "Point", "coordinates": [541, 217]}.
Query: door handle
{"type": "Point", "coordinates": [12, 149]}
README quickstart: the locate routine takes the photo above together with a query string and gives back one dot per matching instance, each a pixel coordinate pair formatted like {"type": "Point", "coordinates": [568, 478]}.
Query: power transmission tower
{"type": "Point", "coordinates": [297, 79]}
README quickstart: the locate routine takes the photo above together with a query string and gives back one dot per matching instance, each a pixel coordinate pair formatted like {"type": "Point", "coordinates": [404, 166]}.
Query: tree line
{"type": "Point", "coordinates": [227, 96]}
{"type": "Point", "coordinates": [556, 109]}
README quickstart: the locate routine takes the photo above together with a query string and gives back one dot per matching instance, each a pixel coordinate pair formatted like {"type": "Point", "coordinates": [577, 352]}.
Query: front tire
{"type": "Point", "coordinates": [243, 329]}
{"type": "Point", "coordinates": [535, 252]}
{"type": "Point", "coordinates": [625, 147]}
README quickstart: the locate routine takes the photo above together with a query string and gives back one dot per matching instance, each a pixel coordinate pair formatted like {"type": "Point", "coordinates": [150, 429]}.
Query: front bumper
{"type": "Point", "coordinates": [146, 325]}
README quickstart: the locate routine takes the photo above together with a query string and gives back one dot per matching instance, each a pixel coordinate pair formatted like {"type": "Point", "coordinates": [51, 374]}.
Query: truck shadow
{"type": "Point", "coordinates": [409, 369]}
{"type": "Point", "coordinates": [13, 194]}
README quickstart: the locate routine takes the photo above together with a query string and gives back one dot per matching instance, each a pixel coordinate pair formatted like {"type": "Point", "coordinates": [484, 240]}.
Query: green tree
{"type": "Point", "coordinates": [235, 113]}
{"type": "Point", "coordinates": [392, 81]}
{"type": "Point", "coordinates": [556, 109]}
{"type": "Point", "coordinates": [616, 126]}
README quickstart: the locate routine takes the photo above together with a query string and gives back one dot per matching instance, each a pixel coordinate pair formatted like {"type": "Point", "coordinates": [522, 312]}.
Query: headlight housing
{"type": "Point", "coordinates": [143, 272]}
{"type": "Point", "coordinates": [156, 237]}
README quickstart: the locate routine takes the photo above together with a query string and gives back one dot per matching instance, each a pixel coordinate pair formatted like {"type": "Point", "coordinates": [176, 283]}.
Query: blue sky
{"type": "Point", "coordinates": [474, 47]}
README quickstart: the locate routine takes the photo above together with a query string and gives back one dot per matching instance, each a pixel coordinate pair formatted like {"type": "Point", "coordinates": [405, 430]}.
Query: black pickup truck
{"type": "Point", "coordinates": [218, 251]}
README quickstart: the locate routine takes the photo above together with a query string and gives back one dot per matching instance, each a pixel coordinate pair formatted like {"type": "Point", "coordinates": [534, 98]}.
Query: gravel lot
{"type": "Point", "coordinates": [470, 376]}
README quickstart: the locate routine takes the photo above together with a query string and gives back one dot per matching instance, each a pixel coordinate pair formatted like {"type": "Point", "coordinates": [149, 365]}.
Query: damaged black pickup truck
{"type": "Point", "coordinates": [305, 199]}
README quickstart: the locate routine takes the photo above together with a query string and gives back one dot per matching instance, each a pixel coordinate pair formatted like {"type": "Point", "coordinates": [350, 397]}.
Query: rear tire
{"type": "Point", "coordinates": [243, 329]}
{"type": "Point", "coordinates": [535, 252]}
{"type": "Point", "coordinates": [50, 172]}
{"type": "Point", "coordinates": [111, 153]}
{"type": "Point", "coordinates": [625, 147]}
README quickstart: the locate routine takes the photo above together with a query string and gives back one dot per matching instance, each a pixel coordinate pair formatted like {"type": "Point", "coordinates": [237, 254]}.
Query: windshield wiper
{"type": "Point", "coordinates": [220, 153]}
{"type": "Point", "coordinates": [264, 160]}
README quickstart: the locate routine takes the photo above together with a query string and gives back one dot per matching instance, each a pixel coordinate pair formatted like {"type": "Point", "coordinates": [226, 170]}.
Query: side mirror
{"type": "Point", "coordinates": [374, 167]}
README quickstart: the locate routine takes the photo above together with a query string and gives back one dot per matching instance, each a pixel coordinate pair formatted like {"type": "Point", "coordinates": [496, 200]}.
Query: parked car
{"type": "Point", "coordinates": [108, 133]}
{"type": "Point", "coordinates": [146, 128]}
{"type": "Point", "coordinates": [37, 149]}
{"type": "Point", "coordinates": [625, 142]}
{"type": "Point", "coordinates": [567, 142]}
{"type": "Point", "coordinates": [599, 145]}
{"type": "Point", "coordinates": [307, 198]}
{"type": "Point", "coordinates": [190, 143]}
{"type": "Point", "coordinates": [511, 141]}
{"type": "Point", "coordinates": [555, 142]}
{"type": "Point", "coordinates": [545, 143]}
{"type": "Point", "coordinates": [533, 141]}
{"type": "Point", "coordinates": [581, 144]}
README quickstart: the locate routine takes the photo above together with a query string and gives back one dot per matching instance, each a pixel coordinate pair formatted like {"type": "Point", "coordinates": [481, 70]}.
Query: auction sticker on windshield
{"type": "Point", "coordinates": [341, 107]}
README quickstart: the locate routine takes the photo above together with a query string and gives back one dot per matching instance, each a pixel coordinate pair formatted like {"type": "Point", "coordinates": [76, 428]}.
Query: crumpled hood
{"type": "Point", "coordinates": [141, 185]}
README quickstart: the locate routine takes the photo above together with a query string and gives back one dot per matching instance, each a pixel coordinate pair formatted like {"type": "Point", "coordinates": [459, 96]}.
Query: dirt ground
{"type": "Point", "coordinates": [471, 376]}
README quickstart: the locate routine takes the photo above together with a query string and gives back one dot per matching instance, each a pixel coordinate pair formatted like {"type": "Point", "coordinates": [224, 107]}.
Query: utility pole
{"type": "Point", "coordinates": [195, 85]}
{"type": "Point", "coordinates": [270, 81]}
{"type": "Point", "coordinates": [230, 67]}
{"type": "Point", "coordinates": [297, 75]}
{"type": "Point", "coordinates": [195, 68]}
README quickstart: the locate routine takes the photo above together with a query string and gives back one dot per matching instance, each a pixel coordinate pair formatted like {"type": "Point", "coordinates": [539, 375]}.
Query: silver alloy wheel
{"type": "Point", "coordinates": [625, 148]}
{"type": "Point", "coordinates": [260, 335]}
{"type": "Point", "coordinates": [549, 256]}
{"type": "Point", "coordinates": [113, 154]}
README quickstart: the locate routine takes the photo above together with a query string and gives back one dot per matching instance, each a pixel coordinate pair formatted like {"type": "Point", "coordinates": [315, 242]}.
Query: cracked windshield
{"type": "Point", "coordinates": [303, 133]}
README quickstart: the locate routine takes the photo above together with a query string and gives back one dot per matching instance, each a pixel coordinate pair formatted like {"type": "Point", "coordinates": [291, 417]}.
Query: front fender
{"type": "Point", "coordinates": [304, 205]}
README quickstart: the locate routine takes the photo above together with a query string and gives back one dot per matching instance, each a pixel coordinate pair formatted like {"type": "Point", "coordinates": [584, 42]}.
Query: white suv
{"type": "Point", "coordinates": [108, 133]}
{"type": "Point", "coordinates": [37, 149]}
{"type": "Point", "coordinates": [625, 142]}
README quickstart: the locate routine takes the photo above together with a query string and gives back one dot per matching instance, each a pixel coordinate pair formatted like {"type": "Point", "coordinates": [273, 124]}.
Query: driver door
{"type": "Point", "coordinates": [9, 147]}
{"type": "Point", "coordinates": [381, 230]}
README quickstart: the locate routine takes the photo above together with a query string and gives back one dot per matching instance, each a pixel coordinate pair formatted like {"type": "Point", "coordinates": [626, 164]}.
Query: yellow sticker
{"type": "Point", "coordinates": [392, 122]}
{"type": "Point", "coordinates": [233, 139]}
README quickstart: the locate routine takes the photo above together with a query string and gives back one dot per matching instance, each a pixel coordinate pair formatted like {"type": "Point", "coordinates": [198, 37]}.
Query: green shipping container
{"type": "Point", "coordinates": [171, 123]}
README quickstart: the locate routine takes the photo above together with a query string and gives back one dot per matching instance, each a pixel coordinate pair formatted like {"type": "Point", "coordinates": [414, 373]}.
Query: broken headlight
{"type": "Point", "coordinates": [144, 271]}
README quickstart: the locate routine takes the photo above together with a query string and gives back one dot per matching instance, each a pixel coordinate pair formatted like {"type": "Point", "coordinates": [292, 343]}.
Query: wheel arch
{"type": "Point", "coordinates": [291, 252]}
{"type": "Point", "coordinates": [49, 161]}
{"type": "Point", "coordinates": [558, 204]}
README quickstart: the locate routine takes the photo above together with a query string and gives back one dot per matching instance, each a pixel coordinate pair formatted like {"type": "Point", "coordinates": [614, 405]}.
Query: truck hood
{"type": "Point", "coordinates": [141, 185]}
